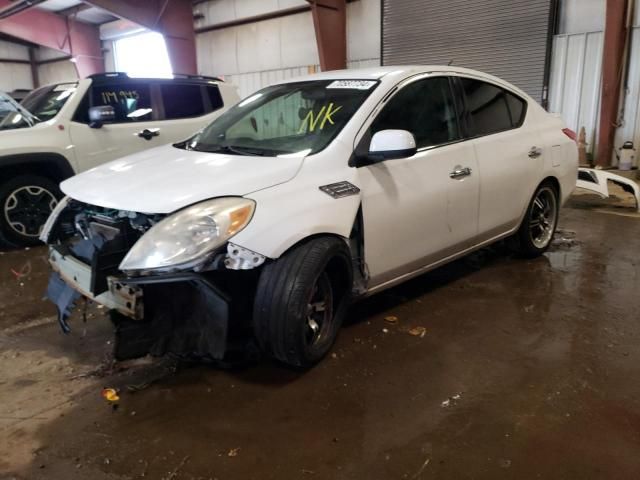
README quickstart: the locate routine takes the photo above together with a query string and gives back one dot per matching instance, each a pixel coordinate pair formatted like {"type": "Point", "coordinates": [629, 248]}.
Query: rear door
{"type": "Point", "coordinates": [186, 108]}
{"type": "Point", "coordinates": [508, 150]}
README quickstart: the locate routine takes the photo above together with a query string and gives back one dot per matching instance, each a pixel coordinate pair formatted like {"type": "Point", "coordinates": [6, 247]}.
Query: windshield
{"type": "Point", "coordinates": [45, 103]}
{"type": "Point", "coordinates": [289, 118]}
{"type": "Point", "coordinates": [12, 115]}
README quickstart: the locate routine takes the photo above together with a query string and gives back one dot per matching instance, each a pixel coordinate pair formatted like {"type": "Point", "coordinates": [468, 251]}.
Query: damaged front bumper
{"type": "Point", "coordinates": [77, 275]}
{"type": "Point", "coordinates": [186, 314]}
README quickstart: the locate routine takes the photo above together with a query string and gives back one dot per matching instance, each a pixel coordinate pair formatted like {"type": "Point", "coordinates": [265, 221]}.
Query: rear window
{"type": "Point", "coordinates": [215, 99]}
{"type": "Point", "coordinates": [491, 109]}
{"type": "Point", "coordinates": [182, 101]}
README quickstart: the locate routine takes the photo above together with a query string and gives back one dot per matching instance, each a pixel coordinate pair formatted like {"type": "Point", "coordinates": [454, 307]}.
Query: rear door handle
{"type": "Point", "coordinates": [460, 172]}
{"type": "Point", "coordinates": [149, 133]}
{"type": "Point", "coordinates": [535, 152]}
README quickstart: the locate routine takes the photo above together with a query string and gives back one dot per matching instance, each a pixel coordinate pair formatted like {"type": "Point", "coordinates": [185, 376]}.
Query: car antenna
{"type": "Point", "coordinates": [450, 62]}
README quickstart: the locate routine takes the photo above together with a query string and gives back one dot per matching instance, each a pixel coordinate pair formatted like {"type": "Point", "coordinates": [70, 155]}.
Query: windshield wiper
{"type": "Point", "coordinates": [234, 150]}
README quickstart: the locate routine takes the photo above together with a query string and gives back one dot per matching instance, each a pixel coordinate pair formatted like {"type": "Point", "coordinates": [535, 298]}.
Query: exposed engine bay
{"type": "Point", "coordinates": [183, 313]}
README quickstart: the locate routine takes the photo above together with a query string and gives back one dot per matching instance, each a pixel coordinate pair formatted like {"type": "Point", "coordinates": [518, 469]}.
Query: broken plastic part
{"type": "Point", "coordinates": [596, 181]}
{"type": "Point", "coordinates": [239, 258]}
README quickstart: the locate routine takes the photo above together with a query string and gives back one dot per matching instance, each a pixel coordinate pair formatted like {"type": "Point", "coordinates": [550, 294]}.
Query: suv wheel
{"type": "Point", "coordinates": [301, 300]}
{"type": "Point", "coordinates": [25, 204]}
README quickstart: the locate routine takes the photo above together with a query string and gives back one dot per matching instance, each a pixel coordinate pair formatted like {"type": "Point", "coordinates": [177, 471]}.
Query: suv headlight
{"type": "Point", "coordinates": [185, 239]}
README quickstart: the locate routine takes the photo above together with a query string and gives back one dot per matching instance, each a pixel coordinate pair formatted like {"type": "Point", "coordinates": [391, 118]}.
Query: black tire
{"type": "Point", "coordinates": [539, 224]}
{"type": "Point", "coordinates": [288, 320]}
{"type": "Point", "coordinates": [25, 204]}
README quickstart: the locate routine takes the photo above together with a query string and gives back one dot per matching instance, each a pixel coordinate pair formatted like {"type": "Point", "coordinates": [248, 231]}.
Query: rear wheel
{"type": "Point", "coordinates": [539, 224]}
{"type": "Point", "coordinates": [26, 202]}
{"type": "Point", "coordinates": [301, 300]}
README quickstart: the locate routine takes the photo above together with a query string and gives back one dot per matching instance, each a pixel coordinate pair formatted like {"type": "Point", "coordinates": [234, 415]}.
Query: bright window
{"type": "Point", "coordinates": [142, 55]}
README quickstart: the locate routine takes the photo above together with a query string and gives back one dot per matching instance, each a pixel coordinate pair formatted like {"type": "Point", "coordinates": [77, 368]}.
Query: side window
{"type": "Point", "coordinates": [131, 101]}
{"type": "Point", "coordinates": [426, 109]}
{"type": "Point", "coordinates": [517, 108]}
{"type": "Point", "coordinates": [490, 109]}
{"type": "Point", "coordinates": [181, 101]}
{"type": "Point", "coordinates": [215, 99]}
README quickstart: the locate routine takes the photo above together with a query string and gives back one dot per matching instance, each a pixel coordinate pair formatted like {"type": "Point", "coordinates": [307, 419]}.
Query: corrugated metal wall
{"type": "Point", "coordinates": [257, 54]}
{"type": "Point", "coordinates": [507, 38]}
{"type": "Point", "coordinates": [60, 71]}
{"type": "Point", "coordinates": [249, 82]}
{"type": "Point", "coordinates": [630, 122]}
{"type": "Point", "coordinates": [14, 75]}
{"type": "Point", "coordinates": [576, 77]}
{"type": "Point", "coordinates": [575, 85]}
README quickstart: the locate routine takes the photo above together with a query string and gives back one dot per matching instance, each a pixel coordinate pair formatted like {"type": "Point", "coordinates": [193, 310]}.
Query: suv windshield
{"type": "Point", "coordinates": [12, 115]}
{"type": "Point", "coordinates": [45, 103]}
{"type": "Point", "coordinates": [299, 117]}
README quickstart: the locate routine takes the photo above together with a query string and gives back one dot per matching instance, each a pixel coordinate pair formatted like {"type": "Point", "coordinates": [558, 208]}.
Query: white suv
{"type": "Point", "coordinates": [68, 128]}
{"type": "Point", "coordinates": [263, 226]}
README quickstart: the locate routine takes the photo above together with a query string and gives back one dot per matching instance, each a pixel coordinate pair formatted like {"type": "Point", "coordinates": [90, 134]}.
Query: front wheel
{"type": "Point", "coordinates": [26, 201]}
{"type": "Point", "coordinates": [300, 301]}
{"type": "Point", "coordinates": [539, 224]}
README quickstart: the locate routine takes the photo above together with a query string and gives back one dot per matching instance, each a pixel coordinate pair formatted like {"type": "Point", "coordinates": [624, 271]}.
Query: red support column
{"type": "Point", "coordinates": [172, 18]}
{"type": "Point", "coordinates": [80, 40]}
{"type": "Point", "coordinates": [615, 34]}
{"type": "Point", "coordinates": [330, 23]}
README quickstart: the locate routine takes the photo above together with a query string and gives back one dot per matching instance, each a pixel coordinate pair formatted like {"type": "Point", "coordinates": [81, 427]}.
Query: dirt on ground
{"type": "Point", "coordinates": [490, 367]}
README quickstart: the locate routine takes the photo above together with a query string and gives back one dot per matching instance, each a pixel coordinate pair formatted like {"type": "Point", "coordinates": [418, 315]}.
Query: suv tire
{"type": "Point", "coordinates": [301, 300]}
{"type": "Point", "coordinates": [25, 204]}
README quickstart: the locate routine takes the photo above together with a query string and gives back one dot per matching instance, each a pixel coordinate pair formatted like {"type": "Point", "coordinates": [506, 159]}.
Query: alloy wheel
{"type": "Point", "coordinates": [27, 208]}
{"type": "Point", "coordinates": [319, 312]}
{"type": "Point", "coordinates": [543, 217]}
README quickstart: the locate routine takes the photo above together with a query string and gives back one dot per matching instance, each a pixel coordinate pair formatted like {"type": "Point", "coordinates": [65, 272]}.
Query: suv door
{"type": "Point", "coordinates": [148, 114]}
{"type": "Point", "coordinates": [417, 210]}
{"type": "Point", "coordinates": [503, 140]}
{"type": "Point", "coordinates": [136, 112]}
{"type": "Point", "coordinates": [186, 108]}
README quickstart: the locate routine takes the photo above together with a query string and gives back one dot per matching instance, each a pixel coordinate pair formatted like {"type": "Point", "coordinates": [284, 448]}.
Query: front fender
{"type": "Point", "coordinates": [291, 212]}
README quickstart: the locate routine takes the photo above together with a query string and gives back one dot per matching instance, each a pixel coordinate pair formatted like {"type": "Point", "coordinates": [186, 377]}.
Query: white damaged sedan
{"type": "Point", "coordinates": [261, 229]}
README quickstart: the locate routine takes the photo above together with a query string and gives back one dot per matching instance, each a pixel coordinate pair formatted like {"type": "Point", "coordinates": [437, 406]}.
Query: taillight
{"type": "Point", "coordinates": [571, 134]}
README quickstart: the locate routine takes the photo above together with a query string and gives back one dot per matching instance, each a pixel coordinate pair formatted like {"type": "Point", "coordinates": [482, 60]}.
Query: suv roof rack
{"type": "Point", "coordinates": [109, 75]}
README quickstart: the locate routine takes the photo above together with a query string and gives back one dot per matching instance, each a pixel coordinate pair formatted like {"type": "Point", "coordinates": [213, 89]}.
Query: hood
{"type": "Point", "coordinates": [165, 179]}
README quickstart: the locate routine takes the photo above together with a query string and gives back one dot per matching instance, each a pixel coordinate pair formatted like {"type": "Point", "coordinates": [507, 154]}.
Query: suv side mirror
{"type": "Point", "coordinates": [391, 144]}
{"type": "Point", "coordinates": [98, 116]}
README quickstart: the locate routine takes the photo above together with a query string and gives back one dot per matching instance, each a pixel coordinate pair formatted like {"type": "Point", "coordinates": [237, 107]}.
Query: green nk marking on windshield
{"type": "Point", "coordinates": [325, 114]}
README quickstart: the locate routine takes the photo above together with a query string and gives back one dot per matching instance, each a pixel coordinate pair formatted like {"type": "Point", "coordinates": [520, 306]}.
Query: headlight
{"type": "Point", "coordinates": [186, 238]}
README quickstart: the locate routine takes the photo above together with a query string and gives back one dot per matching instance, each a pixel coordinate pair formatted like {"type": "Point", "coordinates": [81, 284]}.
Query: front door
{"type": "Point", "coordinates": [135, 128]}
{"type": "Point", "coordinates": [421, 209]}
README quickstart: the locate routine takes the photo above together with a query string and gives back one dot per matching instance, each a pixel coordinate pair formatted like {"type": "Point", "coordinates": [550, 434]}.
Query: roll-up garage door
{"type": "Point", "coordinates": [507, 38]}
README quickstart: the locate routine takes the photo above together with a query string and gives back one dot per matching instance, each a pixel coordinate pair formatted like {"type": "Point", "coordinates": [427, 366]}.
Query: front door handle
{"type": "Point", "coordinates": [149, 133]}
{"type": "Point", "coordinates": [460, 172]}
{"type": "Point", "coordinates": [535, 152]}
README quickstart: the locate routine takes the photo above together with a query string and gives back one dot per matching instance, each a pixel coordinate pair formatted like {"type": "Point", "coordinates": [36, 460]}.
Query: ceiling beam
{"type": "Point", "coordinates": [77, 39]}
{"type": "Point", "coordinates": [172, 18]}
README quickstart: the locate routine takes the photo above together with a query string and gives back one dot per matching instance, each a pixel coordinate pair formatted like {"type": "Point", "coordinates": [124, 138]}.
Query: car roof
{"type": "Point", "coordinates": [108, 77]}
{"type": "Point", "coordinates": [397, 73]}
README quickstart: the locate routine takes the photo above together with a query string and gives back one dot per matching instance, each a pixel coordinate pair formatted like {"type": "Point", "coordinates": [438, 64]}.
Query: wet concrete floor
{"type": "Point", "coordinates": [528, 369]}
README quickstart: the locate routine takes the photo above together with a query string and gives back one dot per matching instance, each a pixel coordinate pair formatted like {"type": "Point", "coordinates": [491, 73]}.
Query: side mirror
{"type": "Point", "coordinates": [98, 116]}
{"type": "Point", "coordinates": [390, 144]}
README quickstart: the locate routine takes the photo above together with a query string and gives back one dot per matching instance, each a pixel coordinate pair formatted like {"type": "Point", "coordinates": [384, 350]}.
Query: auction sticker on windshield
{"type": "Point", "coordinates": [353, 84]}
